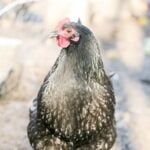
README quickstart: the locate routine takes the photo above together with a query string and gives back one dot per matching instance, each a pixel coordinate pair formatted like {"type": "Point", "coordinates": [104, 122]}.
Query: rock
{"type": "Point", "coordinates": [10, 65]}
{"type": "Point", "coordinates": [130, 44]}
{"type": "Point", "coordinates": [147, 46]}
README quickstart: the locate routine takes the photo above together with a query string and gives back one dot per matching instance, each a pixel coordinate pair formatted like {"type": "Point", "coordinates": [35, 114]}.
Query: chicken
{"type": "Point", "coordinates": [75, 106]}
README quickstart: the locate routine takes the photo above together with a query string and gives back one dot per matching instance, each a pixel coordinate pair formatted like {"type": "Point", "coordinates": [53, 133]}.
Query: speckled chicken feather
{"type": "Point", "coordinates": [74, 109]}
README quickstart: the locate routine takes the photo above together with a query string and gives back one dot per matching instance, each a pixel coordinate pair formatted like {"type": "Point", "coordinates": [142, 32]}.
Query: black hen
{"type": "Point", "coordinates": [74, 109]}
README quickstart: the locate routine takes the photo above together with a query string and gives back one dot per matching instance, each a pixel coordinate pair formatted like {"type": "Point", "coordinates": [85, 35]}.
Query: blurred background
{"type": "Point", "coordinates": [26, 55]}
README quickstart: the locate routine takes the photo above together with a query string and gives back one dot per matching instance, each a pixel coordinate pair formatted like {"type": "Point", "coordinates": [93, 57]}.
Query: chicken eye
{"type": "Point", "coordinates": [69, 31]}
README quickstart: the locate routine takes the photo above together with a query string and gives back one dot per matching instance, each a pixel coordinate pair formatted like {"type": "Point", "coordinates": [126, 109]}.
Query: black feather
{"type": "Point", "coordinates": [75, 105]}
{"type": "Point", "coordinates": [79, 21]}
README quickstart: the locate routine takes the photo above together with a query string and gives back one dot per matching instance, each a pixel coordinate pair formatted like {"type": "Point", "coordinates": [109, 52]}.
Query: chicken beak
{"type": "Point", "coordinates": [53, 34]}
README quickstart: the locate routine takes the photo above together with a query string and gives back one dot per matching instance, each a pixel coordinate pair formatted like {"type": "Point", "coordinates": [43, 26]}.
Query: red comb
{"type": "Point", "coordinates": [62, 22]}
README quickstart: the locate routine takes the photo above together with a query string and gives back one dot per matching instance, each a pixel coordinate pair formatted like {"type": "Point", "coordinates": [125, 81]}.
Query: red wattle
{"type": "Point", "coordinates": [63, 42]}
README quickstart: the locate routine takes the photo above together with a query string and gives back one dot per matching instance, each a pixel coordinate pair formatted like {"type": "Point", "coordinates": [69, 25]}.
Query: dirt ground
{"type": "Point", "coordinates": [14, 107]}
